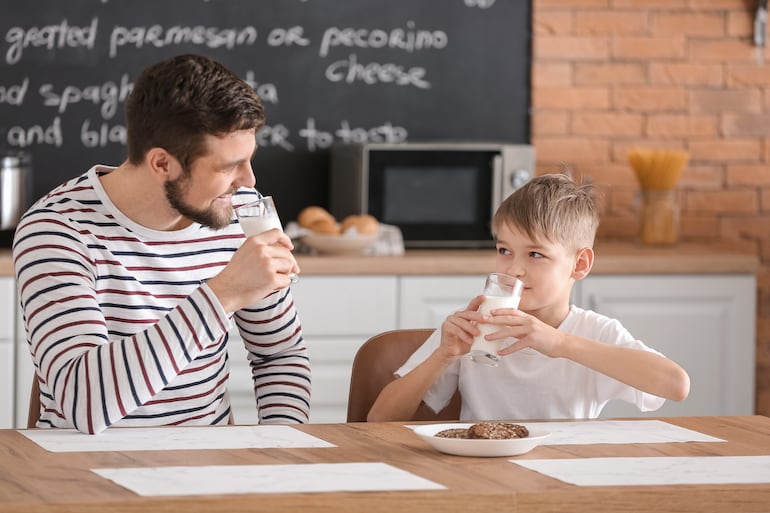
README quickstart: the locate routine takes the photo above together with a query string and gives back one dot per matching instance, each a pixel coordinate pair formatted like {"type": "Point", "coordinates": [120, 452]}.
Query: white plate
{"type": "Point", "coordinates": [338, 244]}
{"type": "Point", "coordinates": [484, 448]}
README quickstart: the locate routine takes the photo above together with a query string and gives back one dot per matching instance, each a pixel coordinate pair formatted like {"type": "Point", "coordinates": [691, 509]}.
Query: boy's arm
{"type": "Point", "coordinates": [400, 398]}
{"type": "Point", "coordinates": [643, 370]}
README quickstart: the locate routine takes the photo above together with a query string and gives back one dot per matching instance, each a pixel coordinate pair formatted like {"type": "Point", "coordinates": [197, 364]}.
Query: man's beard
{"type": "Point", "coordinates": [175, 192]}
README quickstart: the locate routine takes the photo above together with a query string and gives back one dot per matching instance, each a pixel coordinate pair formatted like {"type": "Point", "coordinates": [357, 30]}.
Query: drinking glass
{"type": "Point", "coordinates": [260, 216]}
{"type": "Point", "coordinates": [500, 291]}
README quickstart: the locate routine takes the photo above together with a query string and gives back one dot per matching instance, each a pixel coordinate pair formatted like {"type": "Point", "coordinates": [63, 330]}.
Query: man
{"type": "Point", "coordinates": [130, 277]}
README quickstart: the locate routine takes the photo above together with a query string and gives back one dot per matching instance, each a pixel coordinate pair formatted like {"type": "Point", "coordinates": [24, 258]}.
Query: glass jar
{"type": "Point", "coordinates": [659, 217]}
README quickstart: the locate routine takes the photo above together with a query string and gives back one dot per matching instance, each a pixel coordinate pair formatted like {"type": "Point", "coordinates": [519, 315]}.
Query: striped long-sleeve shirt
{"type": "Point", "coordinates": [123, 329]}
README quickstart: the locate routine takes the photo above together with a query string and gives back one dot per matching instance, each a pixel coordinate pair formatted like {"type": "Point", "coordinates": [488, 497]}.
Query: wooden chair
{"type": "Point", "coordinates": [34, 403]}
{"type": "Point", "coordinates": [373, 368]}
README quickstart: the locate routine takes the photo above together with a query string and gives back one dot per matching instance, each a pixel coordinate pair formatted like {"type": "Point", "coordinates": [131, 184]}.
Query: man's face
{"type": "Point", "coordinates": [203, 192]}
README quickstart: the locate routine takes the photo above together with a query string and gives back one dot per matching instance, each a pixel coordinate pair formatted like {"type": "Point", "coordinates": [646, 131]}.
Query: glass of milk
{"type": "Point", "coordinates": [260, 216]}
{"type": "Point", "coordinates": [500, 291]}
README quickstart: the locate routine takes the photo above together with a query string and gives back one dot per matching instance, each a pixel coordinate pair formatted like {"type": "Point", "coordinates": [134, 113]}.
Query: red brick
{"type": "Point", "coordinates": [660, 47]}
{"type": "Point", "coordinates": [572, 98]}
{"type": "Point", "coordinates": [550, 23]}
{"type": "Point", "coordinates": [649, 4]}
{"type": "Point", "coordinates": [735, 100]}
{"type": "Point", "coordinates": [746, 125]}
{"type": "Point", "coordinates": [615, 124]}
{"type": "Point", "coordinates": [700, 228]}
{"type": "Point", "coordinates": [702, 177]}
{"type": "Point", "coordinates": [740, 23]}
{"type": "Point", "coordinates": [688, 73]}
{"type": "Point", "coordinates": [610, 73]}
{"type": "Point", "coordinates": [577, 48]}
{"type": "Point", "coordinates": [550, 123]}
{"type": "Point", "coordinates": [764, 200]}
{"type": "Point", "coordinates": [688, 23]}
{"type": "Point", "coordinates": [747, 75]}
{"type": "Point", "coordinates": [570, 4]}
{"type": "Point", "coordinates": [649, 99]}
{"type": "Point", "coordinates": [755, 175]}
{"type": "Point", "coordinates": [551, 74]}
{"type": "Point", "coordinates": [719, 5]}
{"type": "Point", "coordinates": [725, 150]}
{"type": "Point", "coordinates": [610, 22]}
{"type": "Point", "coordinates": [680, 125]}
{"type": "Point", "coordinates": [557, 149]}
{"type": "Point", "coordinates": [722, 50]}
{"type": "Point", "coordinates": [723, 202]}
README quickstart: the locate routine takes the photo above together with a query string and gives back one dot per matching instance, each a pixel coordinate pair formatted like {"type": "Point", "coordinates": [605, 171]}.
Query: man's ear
{"type": "Point", "coordinates": [161, 164]}
{"type": "Point", "coordinates": [583, 263]}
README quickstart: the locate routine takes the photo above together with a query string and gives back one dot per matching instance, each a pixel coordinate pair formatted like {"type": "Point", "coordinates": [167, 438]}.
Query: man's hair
{"type": "Point", "coordinates": [552, 206]}
{"type": "Point", "coordinates": [175, 103]}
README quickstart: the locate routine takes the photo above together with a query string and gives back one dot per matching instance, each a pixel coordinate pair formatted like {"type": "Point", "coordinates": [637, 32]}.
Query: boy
{"type": "Point", "coordinates": [560, 362]}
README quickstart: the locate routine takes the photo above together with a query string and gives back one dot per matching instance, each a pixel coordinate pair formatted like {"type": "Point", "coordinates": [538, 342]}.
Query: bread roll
{"type": "Point", "coordinates": [363, 224]}
{"type": "Point", "coordinates": [325, 226]}
{"type": "Point", "coordinates": [313, 214]}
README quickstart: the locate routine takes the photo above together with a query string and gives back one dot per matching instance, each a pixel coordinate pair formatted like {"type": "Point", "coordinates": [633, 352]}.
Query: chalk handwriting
{"type": "Point", "coordinates": [21, 137]}
{"type": "Point", "coordinates": [159, 37]}
{"type": "Point", "coordinates": [351, 71]}
{"type": "Point", "coordinates": [50, 37]}
{"type": "Point", "coordinates": [408, 40]}
{"type": "Point", "coordinates": [318, 139]}
{"type": "Point", "coordinates": [108, 95]}
{"type": "Point", "coordinates": [14, 94]}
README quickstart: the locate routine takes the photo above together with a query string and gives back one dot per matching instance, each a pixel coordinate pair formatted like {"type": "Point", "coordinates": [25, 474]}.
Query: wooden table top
{"type": "Point", "coordinates": [34, 480]}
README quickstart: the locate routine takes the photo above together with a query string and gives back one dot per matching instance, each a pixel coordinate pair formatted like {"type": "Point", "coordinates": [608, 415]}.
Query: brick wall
{"type": "Point", "coordinates": [609, 75]}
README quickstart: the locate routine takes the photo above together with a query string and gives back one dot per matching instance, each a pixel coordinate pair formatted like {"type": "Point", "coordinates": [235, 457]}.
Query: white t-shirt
{"type": "Point", "coordinates": [530, 385]}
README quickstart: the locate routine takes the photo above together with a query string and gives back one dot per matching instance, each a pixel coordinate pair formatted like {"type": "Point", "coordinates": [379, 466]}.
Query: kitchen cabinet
{"type": "Point", "coordinates": [338, 313]}
{"type": "Point", "coordinates": [7, 350]}
{"type": "Point", "coordinates": [706, 323]}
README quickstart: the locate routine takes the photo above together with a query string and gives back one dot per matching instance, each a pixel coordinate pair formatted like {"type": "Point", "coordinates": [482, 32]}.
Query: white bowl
{"type": "Point", "coordinates": [339, 244]}
{"type": "Point", "coordinates": [481, 448]}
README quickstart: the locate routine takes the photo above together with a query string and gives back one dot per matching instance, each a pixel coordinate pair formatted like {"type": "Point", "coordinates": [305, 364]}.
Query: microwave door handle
{"type": "Point", "coordinates": [497, 183]}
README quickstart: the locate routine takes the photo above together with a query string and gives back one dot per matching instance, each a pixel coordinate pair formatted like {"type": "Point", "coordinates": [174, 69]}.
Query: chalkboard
{"type": "Point", "coordinates": [327, 70]}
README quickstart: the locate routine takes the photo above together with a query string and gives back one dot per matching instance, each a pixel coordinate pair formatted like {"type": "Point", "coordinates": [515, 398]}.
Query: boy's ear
{"type": "Point", "coordinates": [583, 263]}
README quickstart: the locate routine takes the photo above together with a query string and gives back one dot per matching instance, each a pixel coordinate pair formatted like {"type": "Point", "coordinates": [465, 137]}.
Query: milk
{"type": "Point", "coordinates": [482, 350]}
{"type": "Point", "coordinates": [254, 225]}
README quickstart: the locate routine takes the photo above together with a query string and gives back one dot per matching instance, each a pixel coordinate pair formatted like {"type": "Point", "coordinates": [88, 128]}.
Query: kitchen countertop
{"type": "Point", "coordinates": [611, 258]}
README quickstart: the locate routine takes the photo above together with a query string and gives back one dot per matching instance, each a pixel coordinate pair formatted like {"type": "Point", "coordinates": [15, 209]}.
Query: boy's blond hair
{"type": "Point", "coordinates": [552, 206]}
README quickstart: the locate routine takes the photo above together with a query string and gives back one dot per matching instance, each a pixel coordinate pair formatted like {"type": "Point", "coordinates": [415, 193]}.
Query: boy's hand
{"type": "Point", "coordinates": [528, 329]}
{"type": "Point", "coordinates": [459, 328]}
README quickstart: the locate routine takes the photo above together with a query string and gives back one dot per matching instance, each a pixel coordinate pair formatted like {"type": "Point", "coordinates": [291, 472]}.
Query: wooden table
{"type": "Point", "coordinates": [34, 480]}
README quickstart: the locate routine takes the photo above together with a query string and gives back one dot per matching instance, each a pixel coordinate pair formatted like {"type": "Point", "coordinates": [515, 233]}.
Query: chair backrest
{"type": "Point", "coordinates": [373, 368]}
{"type": "Point", "coordinates": [34, 403]}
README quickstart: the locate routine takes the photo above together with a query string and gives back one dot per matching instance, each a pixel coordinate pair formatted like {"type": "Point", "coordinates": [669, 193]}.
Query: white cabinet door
{"type": "Point", "coordinates": [425, 301]}
{"type": "Point", "coordinates": [338, 314]}
{"type": "Point", "coordinates": [706, 323]}
{"type": "Point", "coordinates": [7, 334]}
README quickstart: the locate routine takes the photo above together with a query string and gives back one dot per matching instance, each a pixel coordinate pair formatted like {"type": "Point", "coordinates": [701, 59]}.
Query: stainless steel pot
{"type": "Point", "coordinates": [15, 187]}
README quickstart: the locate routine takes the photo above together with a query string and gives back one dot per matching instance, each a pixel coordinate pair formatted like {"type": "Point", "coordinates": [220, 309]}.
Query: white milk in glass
{"type": "Point", "coordinates": [482, 350]}
{"type": "Point", "coordinates": [254, 225]}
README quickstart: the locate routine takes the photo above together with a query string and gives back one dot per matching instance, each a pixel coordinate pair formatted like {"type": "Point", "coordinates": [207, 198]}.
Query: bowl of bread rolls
{"type": "Point", "coordinates": [323, 233]}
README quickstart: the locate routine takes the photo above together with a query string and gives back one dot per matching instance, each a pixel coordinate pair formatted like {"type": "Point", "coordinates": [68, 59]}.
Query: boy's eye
{"type": "Point", "coordinates": [535, 254]}
{"type": "Point", "coordinates": [503, 251]}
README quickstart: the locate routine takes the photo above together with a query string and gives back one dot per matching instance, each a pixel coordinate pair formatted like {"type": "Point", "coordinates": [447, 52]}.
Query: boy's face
{"type": "Point", "coordinates": [546, 268]}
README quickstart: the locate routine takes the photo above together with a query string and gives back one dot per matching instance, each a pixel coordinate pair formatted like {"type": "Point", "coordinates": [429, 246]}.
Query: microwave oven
{"type": "Point", "coordinates": [441, 195]}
